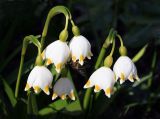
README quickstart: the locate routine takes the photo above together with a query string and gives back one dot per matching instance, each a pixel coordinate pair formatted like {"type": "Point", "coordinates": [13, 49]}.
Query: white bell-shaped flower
{"type": "Point", "coordinates": [102, 78]}
{"type": "Point", "coordinates": [62, 88]}
{"type": "Point", "coordinates": [57, 53]}
{"type": "Point", "coordinates": [40, 78]}
{"type": "Point", "coordinates": [125, 69]}
{"type": "Point", "coordinates": [80, 49]}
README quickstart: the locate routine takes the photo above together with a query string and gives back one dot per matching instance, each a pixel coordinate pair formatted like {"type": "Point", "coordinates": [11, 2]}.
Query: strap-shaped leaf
{"type": "Point", "coordinates": [60, 105]}
{"type": "Point", "coordinates": [9, 92]}
{"type": "Point", "coordinates": [139, 54]}
{"type": "Point", "coordinates": [53, 107]}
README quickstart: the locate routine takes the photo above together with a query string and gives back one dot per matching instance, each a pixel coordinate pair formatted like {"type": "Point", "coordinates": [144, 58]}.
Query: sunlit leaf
{"type": "Point", "coordinates": [139, 54]}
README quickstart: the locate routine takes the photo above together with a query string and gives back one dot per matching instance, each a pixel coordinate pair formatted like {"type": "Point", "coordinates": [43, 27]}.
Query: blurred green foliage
{"type": "Point", "coordinates": [137, 21]}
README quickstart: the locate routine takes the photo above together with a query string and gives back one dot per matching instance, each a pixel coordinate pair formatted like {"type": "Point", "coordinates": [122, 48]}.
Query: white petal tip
{"type": "Point", "coordinates": [89, 57]}
{"type": "Point", "coordinates": [97, 88]}
{"type": "Point", "coordinates": [137, 78]}
{"type": "Point", "coordinates": [36, 92]}
{"type": "Point", "coordinates": [72, 98]}
{"type": "Point", "coordinates": [26, 89]}
{"type": "Point", "coordinates": [54, 96]}
{"type": "Point", "coordinates": [71, 95]}
{"type": "Point", "coordinates": [121, 81]}
{"type": "Point", "coordinates": [88, 84]}
{"type": "Point", "coordinates": [108, 95]}
{"type": "Point", "coordinates": [108, 92]}
{"type": "Point", "coordinates": [58, 71]}
{"type": "Point", "coordinates": [131, 80]}
{"type": "Point", "coordinates": [85, 86]}
{"type": "Point", "coordinates": [81, 63]}
{"type": "Point", "coordinates": [63, 97]}
{"type": "Point", "coordinates": [96, 91]}
{"type": "Point", "coordinates": [48, 93]}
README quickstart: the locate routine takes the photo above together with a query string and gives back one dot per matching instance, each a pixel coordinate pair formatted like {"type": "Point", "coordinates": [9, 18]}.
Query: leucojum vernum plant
{"type": "Point", "coordinates": [57, 54]}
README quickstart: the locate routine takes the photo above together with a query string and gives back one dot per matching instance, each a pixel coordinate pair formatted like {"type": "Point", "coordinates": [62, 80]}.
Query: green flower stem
{"type": "Point", "coordinates": [72, 22]}
{"type": "Point", "coordinates": [120, 39]}
{"type": "Point", "coordinates": [106, 44]}
{"type": "Point", "coordinates": [113, 47]}
{"type": "Point", "coordinates": [75, 28]}
{"type": "Point", "coordinates": [54, 11]}
{"type": "Point", "coordinates": [70, 17]}
{"type": "Point", "coordinates": [100, 57]}
{"type": "Point", "coordinates": [66, 25]}
{"type": "Point", "coordinates": [32, 108]}
{"type": "Point", "coordinates": [76, 93]}
{"type": "Point", "coordinates": [24, 48]}
{"type": "Point", "coordinates": [86, 100]}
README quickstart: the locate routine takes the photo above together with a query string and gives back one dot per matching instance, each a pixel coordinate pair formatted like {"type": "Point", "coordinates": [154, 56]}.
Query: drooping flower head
{"type": "Point", "coordinates": [57, 53]}
{"type": "Point", "coordinates": [102, 78]}
{"type": "Point", "coordinates": [125, 69]}
{"type": "Point", "coordinates": [62, 88]}
{"type": "Point", "coordinates": [40, 78]}
{"type": "Point", "coordinates": [80, 49]}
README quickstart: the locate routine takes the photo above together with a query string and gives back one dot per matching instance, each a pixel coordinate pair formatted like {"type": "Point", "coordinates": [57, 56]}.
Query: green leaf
{"type": "Point", "coordinates": [9, 92]}
{"type": "Point", "coordinates": [53, 107]}
{"type": "Point", "coordinates": [73, 107]}
{"type": "Point", "coordinates": [143, 79]}
{"type": "Point", "coordinates": [140, 54]}
{"type": "Point", "coordinates": [46, 111]}
{"type": "Point", "coordinates": [61, 105]}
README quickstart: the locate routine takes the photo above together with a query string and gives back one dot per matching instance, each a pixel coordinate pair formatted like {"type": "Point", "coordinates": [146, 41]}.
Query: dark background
{"type": "Point", "coordinates": [137, 21]}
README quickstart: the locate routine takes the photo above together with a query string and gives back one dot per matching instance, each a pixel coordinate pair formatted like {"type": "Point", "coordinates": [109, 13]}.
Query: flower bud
{"type": "Point", "coordinates": [108, 61]}
{"type": "Point", "coordinates": [123, 51]}
{"type": "Point", "coordinates": [63, 35]}
{"type": "Point", "coordinates": [75, 31]}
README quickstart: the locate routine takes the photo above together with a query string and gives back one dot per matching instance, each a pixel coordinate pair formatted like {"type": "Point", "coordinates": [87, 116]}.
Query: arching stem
{"type": "Point", "coordinates": [54, 11]}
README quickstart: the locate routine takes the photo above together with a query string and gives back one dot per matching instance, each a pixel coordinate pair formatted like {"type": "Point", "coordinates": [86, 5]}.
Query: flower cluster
{"type": "Point", "coordinates": [40, 78]}
{"type": "Point", "coordinates": [58, 53]}
{"type": "Point", "coordinates": [104, 78]}
{"type": "Point", "coordinates": [78, 49]}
